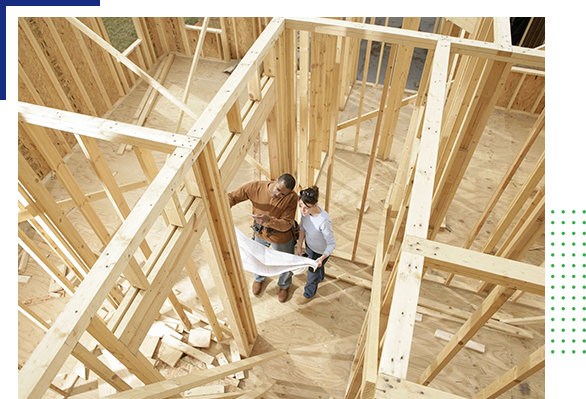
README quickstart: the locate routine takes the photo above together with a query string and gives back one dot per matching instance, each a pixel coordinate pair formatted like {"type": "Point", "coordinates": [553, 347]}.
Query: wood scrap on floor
{"type": "Point", "coordinates": [200, 337]}
{"type": "Point", "coordinates": [177, 344]}
{"type": "Point", "coordinates": [235, 355]}
{"type": "Point", "coordinates": [446, 336]}
{"type": "Point", "coordinates": [149, 345]}
{"type": "Point", "coordinates": [464, 315]}
{"type": "Point", "coordinates": [335, 271]}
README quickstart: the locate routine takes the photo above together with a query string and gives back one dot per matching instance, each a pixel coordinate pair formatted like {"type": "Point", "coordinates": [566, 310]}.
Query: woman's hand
{"type": "Point", "coordinates": [320, 260]}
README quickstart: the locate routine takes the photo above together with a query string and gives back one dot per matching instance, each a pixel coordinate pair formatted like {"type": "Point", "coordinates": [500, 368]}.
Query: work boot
{"type": "Point", "coordinates": [256, 287]}
{"type": "Point", "coordinates": [302, 300]}
{"type": "Point", "coordinates": [283, 294]}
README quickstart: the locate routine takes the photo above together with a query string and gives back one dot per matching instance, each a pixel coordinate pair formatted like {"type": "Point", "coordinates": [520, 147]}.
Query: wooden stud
{"type": "Point", "coordinates": [224, 37]}
{"type": "Point", "coordinates": [363, 86]}
{"type": "Point", "coordinates": [193, 67]}
{"type": "Point", "coordinates": [397, 87]}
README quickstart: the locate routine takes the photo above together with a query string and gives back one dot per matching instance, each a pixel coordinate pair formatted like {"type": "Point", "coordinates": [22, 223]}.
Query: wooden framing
{"type": "Point", "coordinates": [441, 143]}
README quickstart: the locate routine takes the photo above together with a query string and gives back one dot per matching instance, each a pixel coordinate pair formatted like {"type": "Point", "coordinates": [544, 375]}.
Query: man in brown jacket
{"type": "Point", "coordinates": [274, 206]}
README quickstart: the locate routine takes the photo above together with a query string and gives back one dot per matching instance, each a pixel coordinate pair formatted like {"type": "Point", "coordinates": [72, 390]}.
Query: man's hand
{"type": "Point", "coordinates": [299, 250]}
{"type": "Point", "coordinates": [261, 218]}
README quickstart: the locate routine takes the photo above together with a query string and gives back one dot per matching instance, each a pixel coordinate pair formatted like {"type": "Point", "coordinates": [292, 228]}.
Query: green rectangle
{"type": "Point", "coordinates": [567, 298]}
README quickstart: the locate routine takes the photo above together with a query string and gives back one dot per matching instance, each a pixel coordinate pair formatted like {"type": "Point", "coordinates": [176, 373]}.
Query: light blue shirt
{"type": "Point", "coordinates": [319, 235]}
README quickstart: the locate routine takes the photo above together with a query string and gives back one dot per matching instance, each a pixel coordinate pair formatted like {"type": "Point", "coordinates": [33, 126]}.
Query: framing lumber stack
{"type": "Point", "coordinates": [468, 65]}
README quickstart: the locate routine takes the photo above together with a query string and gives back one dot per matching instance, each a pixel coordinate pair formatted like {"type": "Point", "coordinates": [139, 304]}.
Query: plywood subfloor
{"type": "Point", "coordinates": [320, 338]}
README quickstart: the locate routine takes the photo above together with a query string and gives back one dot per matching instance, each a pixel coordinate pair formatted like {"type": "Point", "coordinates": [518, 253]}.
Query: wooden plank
{"type": "Point", "coordinates": [522, 371]}
{"type": "Point", "coordinates": [473, 264]}
{"type": "Point", "coordinates": [390, 387]}
{"type": "Point", "coordinates": [446, 336]}
{"type": "Point", "coordinates": [502, 33]}
{"type": "Point", "coordinates": [177, 385]}
{"type": "Point", "coordinates": [525, 320]}
{"type": "Point", "coordinates": [187, 349]}
{"type": "Point", "coordinates": [395, 354]}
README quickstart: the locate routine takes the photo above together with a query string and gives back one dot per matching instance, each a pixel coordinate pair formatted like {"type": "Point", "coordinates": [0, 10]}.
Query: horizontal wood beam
{"type": "Point", "coordinates": [104, 129]}
{"type": "Point", "coordinates": [466, 262]}
{"type": "Point", "coordinates": [520, 55]}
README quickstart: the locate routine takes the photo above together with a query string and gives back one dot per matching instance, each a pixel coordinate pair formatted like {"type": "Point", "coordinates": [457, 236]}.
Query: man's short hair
{"type": "Point", "coordinates": [288, 181]}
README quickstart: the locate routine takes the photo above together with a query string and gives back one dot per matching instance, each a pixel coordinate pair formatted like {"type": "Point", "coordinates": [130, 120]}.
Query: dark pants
{"type": "Point", "coordinates": [313, 278]}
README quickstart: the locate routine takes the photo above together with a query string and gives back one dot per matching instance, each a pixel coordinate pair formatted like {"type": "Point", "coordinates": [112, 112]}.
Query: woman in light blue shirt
{"type": "Point", "coordinates": [315, 230]}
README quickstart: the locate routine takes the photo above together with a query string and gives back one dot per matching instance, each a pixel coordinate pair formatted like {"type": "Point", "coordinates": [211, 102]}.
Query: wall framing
{"type": "Point", "coordinates": [418, 201]}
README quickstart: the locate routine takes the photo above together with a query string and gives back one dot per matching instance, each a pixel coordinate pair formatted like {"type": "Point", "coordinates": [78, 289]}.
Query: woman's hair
{"type": "Point", "coordinates": [310, 195]}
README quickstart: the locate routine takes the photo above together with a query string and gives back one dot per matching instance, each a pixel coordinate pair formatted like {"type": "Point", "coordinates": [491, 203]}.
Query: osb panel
{"type": "Point", "coordinates": [155, 38]}
{"type": "Point", "coordinates": [36, 73]}
{"type": "Point", "coordinates": [32, 155]}
{"type": "Point", "coordinates": [66, 31]}
{"type": "Point", "coordinates": [174, 34]}
{"type": "Point", "coordinates": [99, 59]}
{"type": "Point", "coordinates": [529, 93]}
{"type": "Point", "coordinates": [210, 44]}
{"type": "Point", "coordinates": [57, 61]}
{"type": "Point", "coordinates": [509, 89]}
{"type": "Point", "coordinates": [245, 35]}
